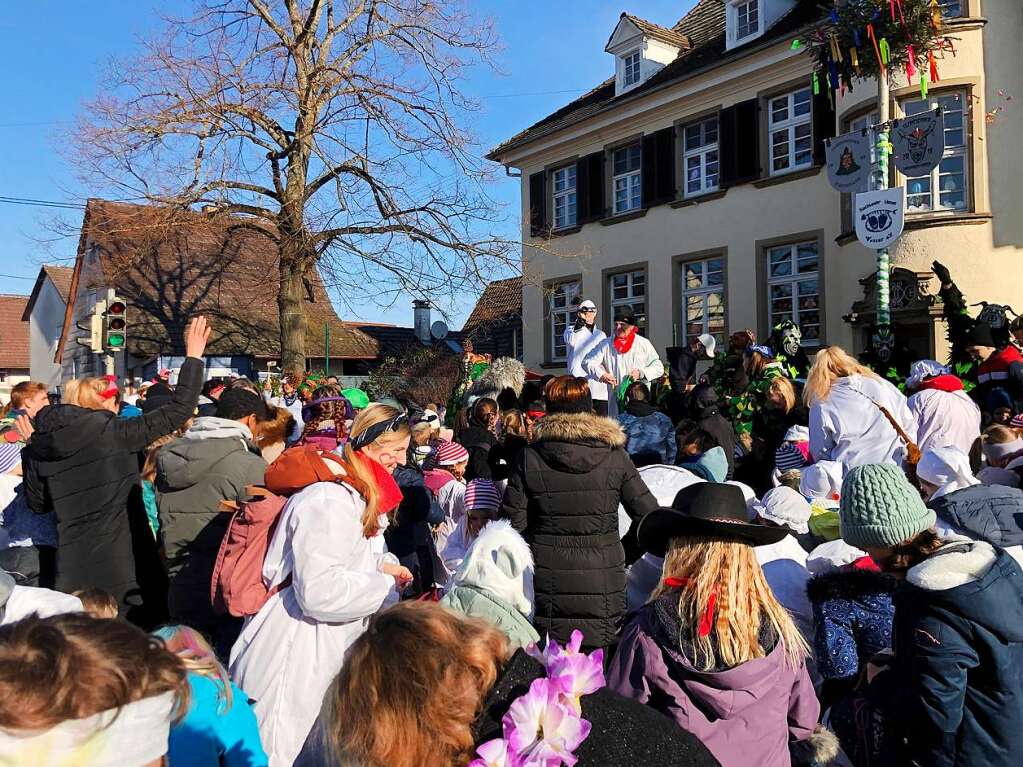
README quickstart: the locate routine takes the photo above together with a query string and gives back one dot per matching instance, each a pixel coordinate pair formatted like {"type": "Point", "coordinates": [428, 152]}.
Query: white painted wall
{"type": "Point", "coordinates": [45, 325]}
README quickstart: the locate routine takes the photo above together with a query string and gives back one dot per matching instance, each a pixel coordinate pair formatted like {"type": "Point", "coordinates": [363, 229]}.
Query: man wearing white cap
{"type": "Point", "coordinates": [581, 339]}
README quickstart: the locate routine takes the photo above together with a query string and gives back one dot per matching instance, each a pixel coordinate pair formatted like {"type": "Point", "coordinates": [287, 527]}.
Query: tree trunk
{"type": "Point", "coordinates": [292, 315]}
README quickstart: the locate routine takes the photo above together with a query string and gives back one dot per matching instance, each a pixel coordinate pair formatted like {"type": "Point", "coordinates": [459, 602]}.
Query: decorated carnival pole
{"type": "Point", "coordinates": [883, 40]}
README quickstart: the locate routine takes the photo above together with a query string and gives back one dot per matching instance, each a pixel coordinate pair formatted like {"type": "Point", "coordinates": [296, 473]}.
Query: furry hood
{"type": "Point", "coordinates": [959, 562]}
{"type": "Point", "coordinates": [849, 585]}
{"type": "Point", "coordinates": [503, 373]}
{"type": "Point", "coordinates": [580, 427]}
{"type": "Point", "coordinates": [499, 562]}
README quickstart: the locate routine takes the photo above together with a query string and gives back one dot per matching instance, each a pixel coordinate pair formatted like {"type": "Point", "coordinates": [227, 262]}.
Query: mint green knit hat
{"type": "Point", "coordinates": [880, 508]}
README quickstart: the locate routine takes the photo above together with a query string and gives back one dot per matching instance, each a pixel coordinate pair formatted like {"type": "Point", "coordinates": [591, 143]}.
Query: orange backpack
{"type": "Point", "coordinates": [237, 586]}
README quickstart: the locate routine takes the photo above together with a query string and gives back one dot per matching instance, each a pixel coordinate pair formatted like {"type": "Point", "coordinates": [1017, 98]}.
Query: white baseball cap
{"type": "Point", "coordinates": [587, 304]}
{"type": "Point", "coordinates": [709, 343]}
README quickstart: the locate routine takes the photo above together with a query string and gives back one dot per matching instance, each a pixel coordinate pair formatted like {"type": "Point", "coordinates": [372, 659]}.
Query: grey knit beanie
{"type": "Point", "coordinates": [880, 508]}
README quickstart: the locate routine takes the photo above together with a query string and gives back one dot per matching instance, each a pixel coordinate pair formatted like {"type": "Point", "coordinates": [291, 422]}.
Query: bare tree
{"type": "Point", "coordinates": [337, 125]}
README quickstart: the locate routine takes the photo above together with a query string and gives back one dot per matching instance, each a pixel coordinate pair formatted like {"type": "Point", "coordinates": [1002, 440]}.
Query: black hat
{"type": "Point", "coordinates": [625, 314]}
{"type": "Point", "coordinates": [235, 404]}
{"type": "Point", "coordinates": [706, 508]}
{"type": "Point", "coordinates": [980, 335]}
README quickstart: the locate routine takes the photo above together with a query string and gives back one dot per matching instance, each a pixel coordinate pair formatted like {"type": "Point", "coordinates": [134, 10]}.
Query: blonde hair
{"type": "Point", "coordinates": [727, 573]}
{"type": "Point", "coordinates": [393, 705]}
{"type": "Point", "coordinates": [85, 392]}
{"type": "Point", "coordinates": [828, 366]}
{"type": "Point", "coordinates": [359, 471]}
{"type": "Point", "coordinates": [198, 657]}
{"type": "Point", "coordinates": [785, 389]}
{"type": "Point", "coordinates": [97, 602]}
{"type": "Point", "coordinates": [999, 435]}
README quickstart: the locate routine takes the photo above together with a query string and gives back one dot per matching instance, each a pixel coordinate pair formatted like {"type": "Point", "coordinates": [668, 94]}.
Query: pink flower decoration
{"type": "Point", "coordinates": [578, 675]}
{"type": "Point", "coordinates": [494, 753]}
{"type": "Point", "coordinates": [541, 729]}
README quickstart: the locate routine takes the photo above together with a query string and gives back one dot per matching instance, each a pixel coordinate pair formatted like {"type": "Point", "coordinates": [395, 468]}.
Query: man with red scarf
{"type": "Point", "coordinates": [626, 357]}
{"type": "Point", "coordinates": [946, 414]}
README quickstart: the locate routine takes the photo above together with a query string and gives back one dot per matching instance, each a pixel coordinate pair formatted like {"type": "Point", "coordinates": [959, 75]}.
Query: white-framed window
{"type": "Point", "coordinates": [793, 288]}
{"type": "Point", "coordinates": [947, 187]}
{"type": "Point", "coordinates": [564, 197]}
{"type": "Point", "coordinates": [951, 9]}
{"type": "Point", "coordinates": [747, 19]}
{"type": "Point", "coordinates": [703, 298]}
{"type": "Point", "coordinates": [629, 289]}
{"type": "Point", "coordinates": [630, 68]}
{"type": "Point", "coordinates": [627, 181]}
{"type": "Point", "coordinates": [700, 157]}
{"type": "Point", "coordinates": [561, 314]}
{"type": "Point", "coordinates": [790, 131]}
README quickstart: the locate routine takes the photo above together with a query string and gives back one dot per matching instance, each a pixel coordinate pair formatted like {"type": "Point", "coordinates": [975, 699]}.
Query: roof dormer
{"type": "Point", "coordinates": [746, 20]}
{"type": "Point", "coordinates": [641, 49]}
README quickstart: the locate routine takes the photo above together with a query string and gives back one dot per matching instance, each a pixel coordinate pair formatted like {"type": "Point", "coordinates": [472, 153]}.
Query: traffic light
{"type": "Point", "coordinates": [92, 326]}
{"type": "Point", "coordinates": [115, 325]}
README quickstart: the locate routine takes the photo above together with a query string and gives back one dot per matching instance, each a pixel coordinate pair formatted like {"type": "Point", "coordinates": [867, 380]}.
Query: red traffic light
{"type": "Point", "coordinates": [117, 307]}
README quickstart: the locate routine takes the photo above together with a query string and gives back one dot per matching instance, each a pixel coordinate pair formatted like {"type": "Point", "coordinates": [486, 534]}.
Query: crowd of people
{"type": "Point", "coordinates": [740, 556]}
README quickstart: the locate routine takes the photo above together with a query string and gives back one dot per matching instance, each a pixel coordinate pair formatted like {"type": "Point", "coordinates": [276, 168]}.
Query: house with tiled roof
{"type": "Point", "coordinates": [44, 313]}
{"type": "Point", "coordinates": [495, 324]}
{"type": "Point", "coordinates": [170, 265]}
{"type": "Point", "coordinates": [14, 345]}
{"type": "Point", "coordinates": [688, 184]}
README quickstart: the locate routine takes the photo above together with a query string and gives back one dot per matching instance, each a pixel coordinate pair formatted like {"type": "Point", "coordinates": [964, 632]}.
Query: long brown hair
{"type": "Point", "coordinates": [727, 575]}
{"type": "Point", "coordinates": [73, 666]}
{"type": "Point", "coordinates": [394, 705]}
{"type": "Point", "coordinates": [356, 467]}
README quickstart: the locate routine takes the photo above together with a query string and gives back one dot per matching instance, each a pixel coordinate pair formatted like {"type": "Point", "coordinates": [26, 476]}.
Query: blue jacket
{"type": "Point", "coordinates": [213, 735]}
{"type": "Point", "coordinates": [852, 618]}
{"type": "Point", "coordinates": [989, 513]}
{"type": "Point", "coordinates": [648, 431]}
{"type": "Point", "coordinates": [956, 691]}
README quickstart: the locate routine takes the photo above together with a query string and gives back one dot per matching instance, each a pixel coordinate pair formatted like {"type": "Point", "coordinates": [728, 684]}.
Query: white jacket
{"type": "Point", "coordinates": [290, 651]}
{"type": "Point", "coordinates": [848, 428]}
{"type": "Point", "coordinates": [604, 358]}
{"type": "Point", "coordinates": [784, 566]}
{"type": "Point", "coordinates": [945, 419]}
{"type": "Point", "coordinates": [29, 600]}
{"type": "Point", "coordinates": [580, 343]}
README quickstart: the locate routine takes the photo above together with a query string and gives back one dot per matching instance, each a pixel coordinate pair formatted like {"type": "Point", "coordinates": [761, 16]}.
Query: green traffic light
{"type": "Point", "coordinates": [115, 340]}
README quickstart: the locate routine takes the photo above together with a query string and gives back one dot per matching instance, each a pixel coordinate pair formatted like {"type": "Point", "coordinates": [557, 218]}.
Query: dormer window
{"type": "Point", "coordinates": [630, 68]}
{"type": "Point", "coordinates": [747, 19]}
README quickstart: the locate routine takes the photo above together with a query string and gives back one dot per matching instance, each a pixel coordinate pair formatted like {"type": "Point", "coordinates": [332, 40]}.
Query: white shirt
{"type": "Point", "coordinates": [946, 419]}
{"type": "Point", "coordinates": [605, 358]}
{"type": "Point", "coordinates": [28, 600]}
{"type": "Point", "coordinates": [580, 343]}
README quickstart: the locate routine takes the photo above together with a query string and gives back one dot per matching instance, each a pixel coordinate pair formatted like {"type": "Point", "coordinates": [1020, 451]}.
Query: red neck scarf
{"type": "Point", "coordinates": [942, 383]}
{"type": "Point", "coordinates": [622, 345]}
{"type": "Point", "coordinates": [707, 619]}
{"type": "Point", "coordinates": [390, 493]}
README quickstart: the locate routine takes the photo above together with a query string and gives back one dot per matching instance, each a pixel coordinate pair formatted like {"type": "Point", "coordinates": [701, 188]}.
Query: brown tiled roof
{"type": "Point", "coordinates": [648, 28]}
{"type": "Point", "coordinates": [501, 300]}
{"type": "Point", "coordinates": [60, 276]}
{"type": "Point", "coordinates": [704, 26]}
{"type": "Point", "coordinates": [170, 265]}
{"type": "Point", "coordinates": [14, 349]}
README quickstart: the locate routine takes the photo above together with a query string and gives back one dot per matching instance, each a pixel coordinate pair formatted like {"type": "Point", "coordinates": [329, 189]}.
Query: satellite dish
{"type": "Point", "coordinates": [439, 330]}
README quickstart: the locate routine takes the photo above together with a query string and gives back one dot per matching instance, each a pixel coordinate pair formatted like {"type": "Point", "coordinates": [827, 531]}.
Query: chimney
{"type": "Point", "coordinates": [421, 321]}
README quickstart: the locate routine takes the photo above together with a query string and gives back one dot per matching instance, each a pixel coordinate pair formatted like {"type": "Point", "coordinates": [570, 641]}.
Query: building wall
{"type": "Point", "coordinates": [982, 249]}
{"type": "Point", "coordinates": [45, 324]}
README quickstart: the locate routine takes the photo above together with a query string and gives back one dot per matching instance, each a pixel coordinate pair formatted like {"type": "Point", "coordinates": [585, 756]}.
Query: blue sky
{"type": "Point", "coordinates": [53, 51]}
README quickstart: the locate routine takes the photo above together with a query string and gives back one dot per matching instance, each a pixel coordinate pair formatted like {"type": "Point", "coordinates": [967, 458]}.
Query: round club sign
{"type": "Point", "coordinates": [880, 217]}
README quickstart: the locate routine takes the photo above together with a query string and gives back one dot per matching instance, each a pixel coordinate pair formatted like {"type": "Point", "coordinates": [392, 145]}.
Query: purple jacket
{"type": "Point", "coordinates": [756, 708]}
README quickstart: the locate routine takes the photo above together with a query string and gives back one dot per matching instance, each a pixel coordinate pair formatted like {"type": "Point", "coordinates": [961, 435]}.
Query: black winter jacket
{"type": "Point", "coordinates": [478, 441]}
{"type": "Point", "coordinates": [704, 409]}
{"type": "Point", "coordinates": [563, 496]}
{"type": "Point", "coordinates": [409, 535]}
{"type": "Point", "coordinates": [85, 467]}
{"type": "Point", "coordinates": [993, 514]}
{"type": "Point", "coordinates": [624, 731]}
{"type": "Point", "coordinates": [956, 687]}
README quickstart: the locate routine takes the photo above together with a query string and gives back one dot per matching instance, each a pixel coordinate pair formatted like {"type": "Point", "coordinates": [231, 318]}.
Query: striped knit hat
{"type": "Point", "coordinates": [789, 456]}
{"type": "Point", "coordinates": [1017, 421]}
{"type": "Point", "coordinates": [482, 494]}
{"type": "Point", "coordinates": [450, 453]}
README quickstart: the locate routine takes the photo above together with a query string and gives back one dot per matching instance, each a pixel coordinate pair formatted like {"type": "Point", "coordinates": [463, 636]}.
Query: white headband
{"type": "Point", "coordinates": [132, 736]}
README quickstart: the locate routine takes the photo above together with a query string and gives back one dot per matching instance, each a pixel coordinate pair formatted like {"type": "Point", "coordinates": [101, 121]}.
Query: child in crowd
{"type": "Point", "coordinates": [481, 504]}
{"type": "Point", "coordinates": [219, 727]}
{"type": "Point", "coordinates": [447, 484]}
{"type": "Point", "coordinates": [98, 603]}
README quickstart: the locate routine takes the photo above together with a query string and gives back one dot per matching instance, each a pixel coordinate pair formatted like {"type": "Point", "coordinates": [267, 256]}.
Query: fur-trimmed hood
{"type": "Point", "coordinates": [499, 562]}
{"type": "Point", "coordinates": [580, 427]}
{"type": "Point", "coordinates": [854, 584]}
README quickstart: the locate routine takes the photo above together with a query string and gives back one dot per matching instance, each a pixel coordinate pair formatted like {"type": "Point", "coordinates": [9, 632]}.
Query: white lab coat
{"type": "Point", "coordinates": [946, 419]}
{"type": "Point", "coordinates": [290, 651]}
{"type": "Point", "coordinates": [604, 358]}
{"type": "Point", "coordinates": [848, 428]}
{"type": "Point", "coordinates": [580, 343]}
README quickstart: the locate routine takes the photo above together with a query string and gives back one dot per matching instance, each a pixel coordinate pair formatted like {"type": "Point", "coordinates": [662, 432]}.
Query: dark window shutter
{"type": "Point", "coordinates": [659, 167]}
{"type": "Point", "coordinates": [589, 180]}
{"type": "Point", "coordinates": [538, 203]}
{"type": "Point", "coordinates": [739, 143]}
{"type": "Point", "coordinates": [823, 125]}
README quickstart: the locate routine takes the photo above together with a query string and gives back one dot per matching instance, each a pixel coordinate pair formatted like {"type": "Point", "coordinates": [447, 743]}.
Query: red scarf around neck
{"type": "Point", "coordinates": [622, 345]}
{"type": "Point", "coordinates": [390, 493]}
{"type": "Point", "coordinates": [942, 383]}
